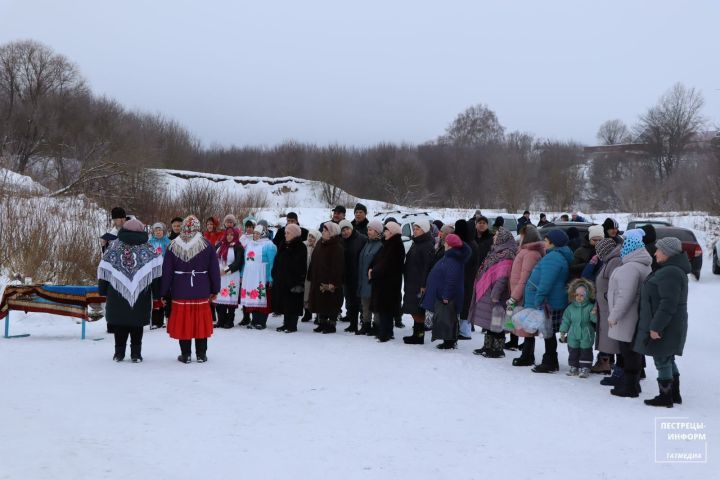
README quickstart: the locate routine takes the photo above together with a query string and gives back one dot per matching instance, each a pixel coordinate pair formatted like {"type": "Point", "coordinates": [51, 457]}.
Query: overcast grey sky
{"type": "Point", "coordinates": [237, 72]}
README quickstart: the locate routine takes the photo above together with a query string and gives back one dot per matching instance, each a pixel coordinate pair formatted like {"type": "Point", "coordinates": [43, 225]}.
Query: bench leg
{"type": "Point", "coordinates": [7, 328]}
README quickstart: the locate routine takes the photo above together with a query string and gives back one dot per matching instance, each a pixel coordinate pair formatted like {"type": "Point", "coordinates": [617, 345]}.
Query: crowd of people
{"type": "Point", "coordinates": [622, 295]}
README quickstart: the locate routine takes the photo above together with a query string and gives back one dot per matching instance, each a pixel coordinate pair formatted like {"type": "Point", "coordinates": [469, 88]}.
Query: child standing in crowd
{"type": "Point", "coordinates": [213, 234]}
{"type": "Point", "coordinates": [160, 242]}
{"type": "Point", "coordinates": [578, 327]}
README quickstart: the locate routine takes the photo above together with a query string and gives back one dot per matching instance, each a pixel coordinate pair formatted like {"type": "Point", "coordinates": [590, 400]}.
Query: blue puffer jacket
{"type": "Point", "coordinates": [446, 279]}
{"type": "Point", "coordinates": [548, 280]}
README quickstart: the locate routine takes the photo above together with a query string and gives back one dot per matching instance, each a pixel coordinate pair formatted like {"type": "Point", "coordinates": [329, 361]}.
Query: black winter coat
{"type": "Point", "coordinates": [418, 262]}
{"type": "Point", "coordinates": [361, 227]}
{"type": "Point", "coordinates": [353, 246]}
{"type": "Point", "coordinates": [117, 310]}
{"type": "Point", "coordinates": [327, 265]}
{"type": "Point", "coordinates": [288, 272]}
{"type": "Point", "coordinates": [581, 257]}
{"type": "Point", "coordinates": [387, 274]}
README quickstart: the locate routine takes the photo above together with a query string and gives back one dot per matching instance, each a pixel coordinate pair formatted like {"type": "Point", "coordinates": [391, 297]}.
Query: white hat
{"type": "Point", "coordinates": [596, 231]}
{"type": "Point", "coordinates": [424, 225]}
{"type": "Point", "coordinates": [345, 224]}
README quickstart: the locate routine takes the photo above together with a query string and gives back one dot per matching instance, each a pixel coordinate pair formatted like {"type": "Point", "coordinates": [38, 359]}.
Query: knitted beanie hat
{"type": "Point", "coordinates": [424, 225]}
{"type": "Point", "coordinates": [604, 248]}
{"type": "Point", "coordinates": [670, 246]}
{"type": "Point", "coordinates": [345, 224]}
{"type": "Point", "coordinates": [134, 225]}
{"type": "Point", "coordinates": [453, 241]}
{"type": "Point", "coordinates": [558, 238]}
{"type": "Point", "coordinates": [531, 234]}
{"type": "Point", "coordinates": [596, 231]}
{"type": "Point", "coordinates": [159, 225]}
{"type": "Point", "coordinates": [393, 228]}
{"type": "Point", "coordinates": [376, 225]}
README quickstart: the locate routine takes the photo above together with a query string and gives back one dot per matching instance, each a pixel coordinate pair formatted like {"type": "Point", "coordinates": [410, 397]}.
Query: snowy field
{"type": "Point", "coordinates": [305, 405]}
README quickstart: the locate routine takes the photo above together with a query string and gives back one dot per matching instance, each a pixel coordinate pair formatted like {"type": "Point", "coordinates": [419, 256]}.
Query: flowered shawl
{"type": "Point", "coordinates": [225, 245]}
{"type": "Point", "coordinates": [130, 268]}
{"type": "Point", "coordinates": [190, 242]}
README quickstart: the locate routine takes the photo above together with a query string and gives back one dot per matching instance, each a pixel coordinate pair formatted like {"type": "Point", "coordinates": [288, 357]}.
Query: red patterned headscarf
{"type": "Point", "coordinates": [225, 245]}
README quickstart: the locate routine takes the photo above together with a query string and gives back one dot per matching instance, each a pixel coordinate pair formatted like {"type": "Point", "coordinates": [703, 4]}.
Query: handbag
{"type": "Point", "coordinates": [445, 321]}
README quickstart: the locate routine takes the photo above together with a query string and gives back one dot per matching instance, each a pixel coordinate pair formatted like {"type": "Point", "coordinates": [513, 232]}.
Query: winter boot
{"type": "Point", "coordinates": [353, 322]}
{"type": "Point", "coordinates": [399, 323]}
{"type": "Point", "coordinates": [246, 318]}
{"type": "Point", "coordinates": [665, 399]}
{"type": "Point", "coordinates": [119, 353]}
{"type": "Point", "coordinates": [135, 353]}
{"type": "Point", "coordinates": [201, 349]}
{"type": "Point", "coordinates": [574, 372]}
{"type": "Point", "coordinates": [549, 364]}
{"type": "Point", "coordinates": [602, 365]}
{"type": "Point", "coordinates": [307, 317]}
{"type": "Point", "coordinates": [616, 378]}
{"type": "Point", "coordinates": [329, 327]}
{"type": "Point", "coordinates": [418, 335]}
{"type": "Point", "coordinates": [627, 387]}
{"type": "Point", "coordinates": [320, 325]}
{"type": "Point", "coordinates": [584, 372]}
{"type": "Point", "coordinates": [527, 357]}
{"type": "Point", "coordinates": [184, 356]}
{"type": "Point", "coordinates": [512, 345]}
{"type": "Point", "coordinates": [447, 345]}
{"type": "Point", "coordinates": [676, 390]}
{"type": "Point", "coordinates": [496, 348]}
{"type": "Point", "coordinates": [487, 345]}
{"type": "Point", "coordinates": [364, 328]}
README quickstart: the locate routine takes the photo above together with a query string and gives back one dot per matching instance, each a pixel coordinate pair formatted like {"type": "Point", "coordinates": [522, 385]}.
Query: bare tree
{"type": "Point", "coordinates": [670, 126]}
{"type": "Point", "coordinates": [478, 125]}
{"type": "Point", "coordinates": [613, 132]}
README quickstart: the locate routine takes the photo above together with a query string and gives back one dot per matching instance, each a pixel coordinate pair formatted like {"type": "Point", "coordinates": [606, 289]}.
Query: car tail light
{"type": "Point", "coordinates": [698, 251]}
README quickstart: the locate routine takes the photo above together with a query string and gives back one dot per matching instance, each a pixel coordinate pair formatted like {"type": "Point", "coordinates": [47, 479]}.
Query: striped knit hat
{"type": "Point", "coordinates": [604, 248]}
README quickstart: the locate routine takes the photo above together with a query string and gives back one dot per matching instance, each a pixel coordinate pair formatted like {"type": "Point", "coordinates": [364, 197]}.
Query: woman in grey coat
{"type": "Point", "coordinates": [623, 300]}
{"type": "Point", "coordinates": [608, 251]}
{"type": "Point", "coordinates": [367, 254]}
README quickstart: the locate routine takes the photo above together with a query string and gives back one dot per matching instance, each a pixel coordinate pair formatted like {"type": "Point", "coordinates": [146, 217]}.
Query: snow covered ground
{"type": "Point", "coordinates": [304, 405]}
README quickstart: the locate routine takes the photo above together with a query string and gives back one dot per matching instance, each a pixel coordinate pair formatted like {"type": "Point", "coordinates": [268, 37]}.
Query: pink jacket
{"type": "Point", "coordinates": [526, 259]}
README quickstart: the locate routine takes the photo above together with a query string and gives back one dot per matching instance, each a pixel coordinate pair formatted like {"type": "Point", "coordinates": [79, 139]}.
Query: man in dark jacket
{"type": "Point", "coordinates": [175, 226]}
{"type": "Point", "coordinates": [468, 237]}
{"type": "Point", "coordinates": [543, 220]}
{"type": "Point", "coordinates": [649, 240]}
{"type": "Point", "coordinates": [522, 221]}
{"type": "Point", "coordinates": [292, 218]}
{"type": "Point", "coordinates": [360, 224]}
{"type": "Point", "coordinates": [353, 243]}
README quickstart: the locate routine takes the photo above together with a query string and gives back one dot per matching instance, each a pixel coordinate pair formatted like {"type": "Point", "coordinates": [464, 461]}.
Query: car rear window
{"type": "Point", "coordinates": [682, 235]}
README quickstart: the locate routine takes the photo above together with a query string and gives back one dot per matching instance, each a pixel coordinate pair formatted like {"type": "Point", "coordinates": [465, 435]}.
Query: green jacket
{"type": "Point", "coordinates": [579, 323]}
{"type": "Point", "coordinates": [663, 308]}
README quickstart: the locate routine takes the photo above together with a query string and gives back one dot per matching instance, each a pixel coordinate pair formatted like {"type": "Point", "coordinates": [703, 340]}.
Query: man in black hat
{"type": "Point", "coordinates": [338, 215]}
{"type": "Point", "coordinates": [118, 218]}
{"type": "Point", "coordinates": [360, 224]}
{"type": "Point", "coordinates": [543, 220]}
{"type": "Point", "coordinates": [522, 221]}
{"type": "Point", "coordinates": [291, 217]}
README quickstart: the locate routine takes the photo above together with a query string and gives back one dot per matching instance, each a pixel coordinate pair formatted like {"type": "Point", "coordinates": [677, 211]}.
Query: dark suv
{"type": "Point", "coordinates": [690, 245]}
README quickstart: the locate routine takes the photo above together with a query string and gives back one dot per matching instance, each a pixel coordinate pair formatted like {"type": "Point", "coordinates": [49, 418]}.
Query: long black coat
{"type": "Point", "coordinates": [361, 227]}
{"type": "Point", "coordinates": [117, 310]}
{"type": "Point", "coordinates": [387, 274]}
{"type": "Point", "coordinates": [471, 268]}
{"type": "Point", "coordinates": [288, 272]}
{"type": "Point", "coordinates": [581, 257]}
{"type": "Point", "coordinates": [353, 246]}
{"type": "Point", "coordinates": [327, 265]}
{"type": "Point", "coordinates": [417, 267]}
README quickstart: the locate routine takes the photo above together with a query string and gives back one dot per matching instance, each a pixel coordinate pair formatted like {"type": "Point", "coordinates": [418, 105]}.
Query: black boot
{"type": "Point", "coordinates": [246, 318]}
{"type": "Point", "coordinates": [627, 387]}
{"type": "Point", "coordinates": [364, 329]}
{"type": "Point", "coordinates": [320, 325]}
{"type": "Point", "coordinates": [447, 345]}
{"type": "Point", "coordinates": [549, 364]}
{"type": "Point", "coordinates": [119, 353]}
{"type": "Point", "coordinates": [329, 327]}
{"type": "Point", "coordinates": [185, 346]}
{"type": "Point", "coordinates": [496, 347]}
{"type": "Point", "coordinates": [676, 390]}
{"type": "Point", "coordinates": [201, 350]}
{"type": "Point", "coordinates": [512, 344]}
{"type": "Point", "coordinates": [527, 357]}
{"type": "Point", "coordinates": [353, 327]}
{"type": "Point", "coordinates": [399, 323]}
{"type": "Point", "coordinates": [665, 399]}
{"type": "Point", "coordinates": [487, 344]}
{"type": "Point", "coordinates": [418, 335]}
{"type": "Point", "coordinates": [616, 378]}
{"type": "Point", "coordinates": [136, 352]}
{"type": "Point", "coordinates": [307, 317]}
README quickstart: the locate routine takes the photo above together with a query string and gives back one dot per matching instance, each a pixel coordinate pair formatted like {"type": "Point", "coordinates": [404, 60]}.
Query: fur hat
{"type": "Point", "coordinates": [605, 247]}
{"type": "Point", "coordinates": [394, 228]}
{"type": "Point", "coordinates": [424, 225]}
{"type": "Point", "coordinates": [557, 237]}
{"type": "Point", "coordinates": [453, 241]}
{"type": "Point", "coordinates": [345, 224]}
{"type": "Point", "coordinates": [581, 282]}
{"type": "Point", "coordinates": [294, 229]}
{"type": "Point", "coordinates": [333, 228]}
{"type": "Point", "coordinates": [376, 225]}
{"type": "Point", "coordinates": [596, 231]}
{"type": "Point", "coordinates": [134, 225]}
{"type": "Point", "coordinates": [670, 246]}
{"type": "Point", "coordinates": [230, 217]}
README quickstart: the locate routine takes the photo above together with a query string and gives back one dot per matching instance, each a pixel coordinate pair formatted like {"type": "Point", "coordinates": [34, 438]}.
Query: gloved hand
{"type": "Point", "coordinates": [563, 337]}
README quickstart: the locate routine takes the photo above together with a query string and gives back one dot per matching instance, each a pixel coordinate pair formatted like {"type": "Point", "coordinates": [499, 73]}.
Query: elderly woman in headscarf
{"type": "Point", "coordinates": [662, 328]}
{"type": "Point", "coordinates": [127, 277]}
{"type": "Point", "coordinates": [367, 254]}
{"type": "Point", "coordinates": [313, 237]}
{"type": "Point", "coordinates": [257, 277]}
{"type": "Point", "coordinates": [326, 273]}
{"type": "Point", "coordinates": [385, 275]}
{"type": "Point", "coordinates": [289, 272]}
{"type": "Point", "coordinates": [608, 252]}
{"type": "Point", "coordinates": [191, 276]}
{"type": "Point", "coordinates": [231, 256]}
{"type": "Point", "coordinates": [491, 292]}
